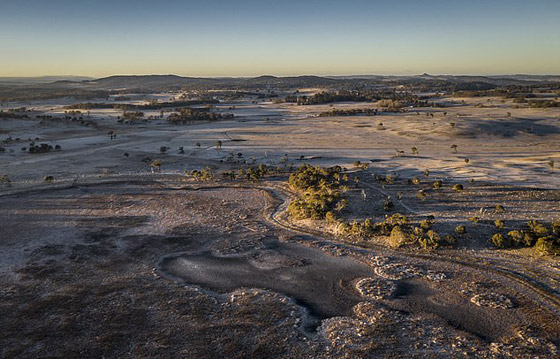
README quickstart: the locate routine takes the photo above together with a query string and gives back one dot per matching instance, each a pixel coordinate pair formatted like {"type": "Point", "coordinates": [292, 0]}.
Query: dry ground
{"type": "Point", "coordinates": [101, 262]}
{"type": "Point", "coordinates": [82, 270]}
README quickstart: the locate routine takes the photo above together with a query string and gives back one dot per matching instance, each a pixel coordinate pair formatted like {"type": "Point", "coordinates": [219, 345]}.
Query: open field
{"type": "Point", "coordinates": [112, 247]}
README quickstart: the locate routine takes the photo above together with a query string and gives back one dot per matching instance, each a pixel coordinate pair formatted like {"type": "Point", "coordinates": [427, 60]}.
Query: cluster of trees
{"type": "Point", "coordinates": [392, 96]}
{"type": "Point", "coordinates": [187, 115]}
{"type": "Point", "coordinates": [390, 105]}
{"type": "Point", "coordinates": [367, 229]}
{"type": "Point", "coordinates": [545, 239]}
{"type": "Point", "coordinates": [543, 103]}
{"type": "Point", "coordinates": [203, 175]}
{"type": "Point", "coordinates": [153, 105]}
{"type": "Point", "coordinates": [350, 112]}
{"type": "Point", "coordinates": [327, 97]}
{"type": "Point", "coordinates": [12, 115]}
{"type": "Point", "coordinates": [41, 148]}
{"type": "Point", "coordinates": [25, 93]}
{"type": "Point", "coordinates": [130, 117]}
{"type": "Point", "coordinates": [320, 192]}
{"type": "Point", "coordinates": [253, 174]}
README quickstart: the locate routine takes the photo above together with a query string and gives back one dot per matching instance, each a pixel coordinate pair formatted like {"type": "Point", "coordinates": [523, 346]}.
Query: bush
{"type": "Point", "coordinates": [437, 184]}
{"type": "Point", "coordinates": [397, 219]}
{"type": "Point", "coordinates": [556, 227]}
{"type": "Point", "coordinates": [538, 228]}
{"type": "Point", "coordinates": [516, 237]}
{"type": "Point", "coordinates": [388, 205]}
{"type": "Point", "coordinates": [430, 241]}
{"type": "Point", "coordinates": [156, 165]}
{"type": "Point", "coordinates": [499, 241]}
{"type": "Point", "coordinates": [203, 175]}
{"type": "Point", "coordinates": [451, 240]}
{"type": "Point", "coordinates": [461, 229]}
{"type": "Point", "coordinates": [499, 223]}
{"type": "Point", "coordinates": [398, 237]}
{"type": "Point", "coordinates": [547, 246]}
{"type": "Point", "coordinates": [426, 224]}
{"type": "Point", "coordinates": [458, 187]}
{"type": "Point", "coordinates": [529, 239]}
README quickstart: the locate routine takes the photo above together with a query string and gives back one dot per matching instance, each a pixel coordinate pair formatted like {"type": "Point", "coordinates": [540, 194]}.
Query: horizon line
{"type": "Point", "coordinates": [290, 75]}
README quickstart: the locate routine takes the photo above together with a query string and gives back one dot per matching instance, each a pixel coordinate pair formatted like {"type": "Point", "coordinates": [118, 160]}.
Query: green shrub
{"type": "Point", "coordinates": [388, 205]}
{"type": "Point", "coordinates": [516, 237]}
{"type": "Point", "coordinates": [368, 225]}
{"type": "Point", "coordinates": [500, 208]}
{"type": "Point", "coordinates": [474, 219]}
{"type": "Point", "coordinates": [156, 164]}
{"type": "Point", "coordinates": [331, 218]}
{"type": "Point", "coordinates": [499, 241]}
{"type": "Point", "coordinates": [426, 224]}
{"type": "Point", "coordinates": [397, 219]}
{"type": "Point", "coordinates": [458, 187]}
{"type": "Point", "coordinates": [556, 227]}
{"type": "Point", "coordinates": [341, 205]}
{"type": "Point", "coordinates": [547, 246]}
{"type": "Point", "coordinates": [539, 229]}
{"type": "Point", "coordinates": [461, 230]}
{"type": "Point", "coordinates": [398, 237]}
{"type": "Point", "coordinates": [430, 240]}
{"type": "Point", "coordinates": [529, 239]}
{"type": "Point", "coordinates": [451, 240]}
{"type": "Point", "coordinates": [499, 223]}
{"type": "Point", "coordinates": [205, 174]}
{"type": "Point", "coordinates": [437, 184]}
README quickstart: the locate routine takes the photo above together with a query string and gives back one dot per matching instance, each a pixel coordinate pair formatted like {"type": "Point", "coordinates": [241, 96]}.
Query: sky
{"type": "Point", "coordinates": [211, 38]}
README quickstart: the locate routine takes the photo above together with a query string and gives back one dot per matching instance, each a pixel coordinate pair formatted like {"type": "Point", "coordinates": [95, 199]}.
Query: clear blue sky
{"type": "Point", "coordinates": [243, 38]}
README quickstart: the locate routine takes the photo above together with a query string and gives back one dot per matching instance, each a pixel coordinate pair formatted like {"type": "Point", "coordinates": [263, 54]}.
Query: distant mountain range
{"type": "Point", "coordinates": [41, 79]}
{"type": "Point", "coordinates": [80, 87]}
{"type": "Point", "coordinates": [173, 81]}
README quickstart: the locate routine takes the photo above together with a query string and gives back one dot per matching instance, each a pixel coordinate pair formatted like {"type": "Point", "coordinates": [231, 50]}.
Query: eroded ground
{"type": "Point", "coordinates": [105, 268]}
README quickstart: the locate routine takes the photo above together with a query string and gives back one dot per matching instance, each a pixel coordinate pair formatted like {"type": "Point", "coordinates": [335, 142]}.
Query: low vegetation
{"type": "Point", "coordinates": [544, 238]}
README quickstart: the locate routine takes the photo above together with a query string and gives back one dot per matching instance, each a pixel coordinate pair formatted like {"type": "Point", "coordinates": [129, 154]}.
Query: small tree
{"type": "Point", "coordinates": [460, 230]}
{"type": "Point", "coordinates": [458, 187]}
{"type": "Point", "coordinates": [156, 165]}
{"type": "Point", "coordinates": [499, 223]}
{"type": "Point", "coordinates": [499, 241]}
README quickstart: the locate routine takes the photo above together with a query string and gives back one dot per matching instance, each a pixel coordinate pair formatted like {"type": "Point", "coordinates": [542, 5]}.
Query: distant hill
{"type": "Point", "coordinates": [177, 82]}
{"type": "Point", "coordinates": [146, 81]}
{"type": "Point", "coordinates": [41, 80]}
{"type": "Point", "coordinates": [15, 88]}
